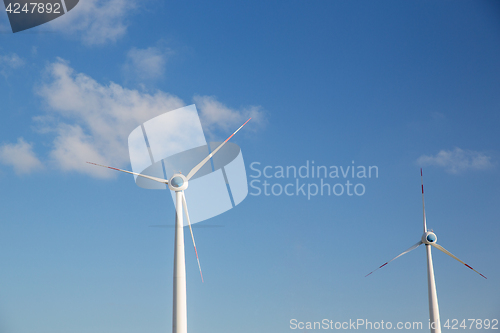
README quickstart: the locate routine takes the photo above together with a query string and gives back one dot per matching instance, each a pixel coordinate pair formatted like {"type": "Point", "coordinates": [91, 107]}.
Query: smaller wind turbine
{"type": "Point", "coordinates": [178, 183]}
{"type": "Point", "coordinates": [429, 239]}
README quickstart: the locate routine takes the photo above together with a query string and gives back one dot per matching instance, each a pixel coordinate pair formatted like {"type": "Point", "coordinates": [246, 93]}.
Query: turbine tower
{"type": "Point", "coordinates": [178, 183]}
{"type": "Point", "coordinates": [429, 239]}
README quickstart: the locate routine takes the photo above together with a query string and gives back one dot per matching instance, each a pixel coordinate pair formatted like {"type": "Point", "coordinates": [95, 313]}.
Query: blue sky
{"type": "Point", "coordinates": [392, 84]}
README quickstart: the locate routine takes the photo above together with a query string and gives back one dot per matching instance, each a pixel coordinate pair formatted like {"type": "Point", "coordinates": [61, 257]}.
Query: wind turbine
{"type": "Point", "coordinates": [429, 239]}
{"type": "Point", "coordinates": [178, 183]}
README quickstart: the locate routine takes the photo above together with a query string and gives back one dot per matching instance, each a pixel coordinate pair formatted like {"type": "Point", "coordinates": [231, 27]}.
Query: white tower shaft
{"type": "Point", "coordinates": [433, 301]}
{"type": "Point", "coordinates": [179, 319]}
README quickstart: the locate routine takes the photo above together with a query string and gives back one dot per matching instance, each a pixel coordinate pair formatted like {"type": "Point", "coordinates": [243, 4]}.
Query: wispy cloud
{"type": "Point", "coordinates": [20, 156]}
{"type": "Point", "coordinates": [12, 61]}
{"type": "Point", "coordinates": [97, 21]}
{"type": "Point", "coordinates": [91, 121]}
{"type": "Point", "coordinates": [215, 115]}
{"type": "Point", "coordinates": [94, 120]}
{"type": "Point", "coordinates": [457, 160]}
{"type": "Point", "coordinates": [146, 64]}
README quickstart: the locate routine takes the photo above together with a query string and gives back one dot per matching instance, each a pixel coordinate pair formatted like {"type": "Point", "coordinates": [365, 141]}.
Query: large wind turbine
{"type": "Point", "coordinates": [429, 239]}
{"type": "Point", "coordinates": [178, 183]}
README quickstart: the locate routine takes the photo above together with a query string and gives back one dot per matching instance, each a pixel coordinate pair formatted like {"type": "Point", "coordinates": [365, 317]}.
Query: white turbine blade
{"type": "Point", "coordinates": [191, 229]}
{"type": "Point", "coordinates": [439, 247]}
{"type": "Point", "coordinates": [160, 180]}
{"type": "Point", "coordinates": [202, 163]}
{"type": "Point", "coordinates": [411, 248]}
{"type": "Point", "coordinates": [423, 202]}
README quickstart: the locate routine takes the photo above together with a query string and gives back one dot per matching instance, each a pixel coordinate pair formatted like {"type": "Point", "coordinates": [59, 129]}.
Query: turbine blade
{"type": "Point", "coordinates": [439, 247]}
{"type": "Point", "coordinates": [191, 229]}
{"type": "Point", "coordinates": [423, 201]}
{"type": "Point", "coordinates": [405, 252]}
{"type": "Point", "coordinates": [202, 163]}
{"type": "Point", "coordinates": [160, 180]}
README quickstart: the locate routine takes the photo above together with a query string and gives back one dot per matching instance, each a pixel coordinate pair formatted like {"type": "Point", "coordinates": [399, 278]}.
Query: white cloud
{"type": "Point", "coordinates": [215, 115]}
{"type": "Point", "coordinates": [94, 120]}
{"type": "Point", "coordinates": [12, 61]}
{"type": "Point", "coordinates": [147, 63]}
{"type": "Point", "coordinates": [91, 121]}
{"type": "Point", "coordinates": [98, 21]}
{"type": "Point", "coordinates": [8, 63]}
{"type": "Point", "coordinates": [457, 160]}
{"type": "Point", "coordinates": [20, 156]}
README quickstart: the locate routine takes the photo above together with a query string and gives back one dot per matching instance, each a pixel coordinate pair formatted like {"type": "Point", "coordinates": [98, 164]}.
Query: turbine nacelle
{"type": "Point", "coordinates": [178, 182]}
{"type": "Point", "coordinates": [429, 237]}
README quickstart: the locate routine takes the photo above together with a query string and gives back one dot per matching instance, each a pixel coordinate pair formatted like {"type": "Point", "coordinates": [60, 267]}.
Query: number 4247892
{"type": "Point", "coordinates": [473, 323]}
{"type": "Point", "coordinates": [35, 8]}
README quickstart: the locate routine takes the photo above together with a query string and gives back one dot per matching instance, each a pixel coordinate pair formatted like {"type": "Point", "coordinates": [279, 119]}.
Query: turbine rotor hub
{"type": "Point", "coordinates": [178, 182]}
{"type": "Point", "coordinates": [429, 237]}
